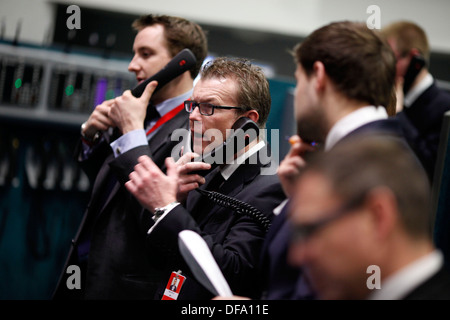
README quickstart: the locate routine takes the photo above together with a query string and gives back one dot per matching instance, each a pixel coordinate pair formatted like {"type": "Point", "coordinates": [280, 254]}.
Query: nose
{"type": "Point", "coordinates": [133, 66]}
{"type": "Point", "coordinates": [195, 115]}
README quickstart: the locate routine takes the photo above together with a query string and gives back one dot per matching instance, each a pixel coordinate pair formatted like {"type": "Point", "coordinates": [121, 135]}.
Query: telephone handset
{"type": "Point", "coordinates": [182, 62]}
{"type": "Point", "coordinates": [415, 66]}
{"type": "Point", "coordinates": [244, 131]}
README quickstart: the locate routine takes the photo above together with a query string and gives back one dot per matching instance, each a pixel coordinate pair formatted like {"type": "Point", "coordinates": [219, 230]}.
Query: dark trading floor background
{"type": "Point", "coordinates": [45, 95]}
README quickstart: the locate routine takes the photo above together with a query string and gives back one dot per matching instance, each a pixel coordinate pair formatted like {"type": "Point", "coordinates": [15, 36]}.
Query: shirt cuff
{"type": "Point", "coordinates": [169, 208]}
{"type": "Point", "coordinates": [129, 141]}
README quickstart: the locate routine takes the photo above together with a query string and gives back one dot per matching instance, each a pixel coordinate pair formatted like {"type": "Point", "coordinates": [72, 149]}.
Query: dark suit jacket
{"type": "Point", "coordinates": [235, 241]}
{"type": "Point", "coordinates": [119, 265]}
{"type": "Point", "coordinates": [282, 280]}
{"type": "Point", "coordinates": [422, 123]}
{"type": "Point", "coordinates": [435, 288]}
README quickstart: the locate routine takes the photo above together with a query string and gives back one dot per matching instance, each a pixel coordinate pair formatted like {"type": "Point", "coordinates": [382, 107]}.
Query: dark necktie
{"type": "Point", "coordinates": [152, 114]}
{"type": "Point", "coordinates": [204, 205]}
{"type": "Point", "coordinates": [216, 182]}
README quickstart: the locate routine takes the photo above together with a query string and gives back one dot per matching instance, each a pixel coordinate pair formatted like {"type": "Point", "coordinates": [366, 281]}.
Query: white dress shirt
{"type": "Point", "coordinates": [398, 285]}
{"type": "Point", "coordinates": [417, 90]}
{"type": "Point", "coordinates": [353, 121]}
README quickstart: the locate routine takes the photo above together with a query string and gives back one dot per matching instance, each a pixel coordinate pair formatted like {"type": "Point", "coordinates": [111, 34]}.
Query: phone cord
{"type": "Point", "coordinates": [238, 206]}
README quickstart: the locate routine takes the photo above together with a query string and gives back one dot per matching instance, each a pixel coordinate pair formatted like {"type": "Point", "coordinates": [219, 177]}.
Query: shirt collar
{"type": "Point", "coordinates": [353, 121]}
{"type": "Point", "coordinates": [172, 103]}
{"type": "Point", "coordinates": [228, 169]}
{"type": "Point", "coordinates": [398, 285]}
{"type": "Point", "coordinates": [417, 90]}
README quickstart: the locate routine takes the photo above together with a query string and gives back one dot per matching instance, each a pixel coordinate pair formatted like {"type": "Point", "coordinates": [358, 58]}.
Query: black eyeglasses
{"type": "Point", "coordinates": [206, 109]}
{"type": "Point", "coordinates": [305, 231]}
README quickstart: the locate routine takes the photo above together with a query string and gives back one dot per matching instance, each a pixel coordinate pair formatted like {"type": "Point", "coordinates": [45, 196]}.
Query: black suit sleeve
{"type": "Point", "coordinates": [124, 164]}
{"type": "Point", "coordinates": [91, 165]}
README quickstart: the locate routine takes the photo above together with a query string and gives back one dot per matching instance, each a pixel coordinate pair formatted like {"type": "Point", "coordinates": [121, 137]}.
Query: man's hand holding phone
{"type": "Point", "coordinates": [292, 164]}
{"type": "Point", "coordinates": [187, 180]}
{"type": "Point", "coordinates": [128, 112]}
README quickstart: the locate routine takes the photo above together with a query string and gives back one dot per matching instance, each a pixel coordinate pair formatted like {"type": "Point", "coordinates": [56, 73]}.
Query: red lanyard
{"type": "Point", "coordinates": [169, 115]}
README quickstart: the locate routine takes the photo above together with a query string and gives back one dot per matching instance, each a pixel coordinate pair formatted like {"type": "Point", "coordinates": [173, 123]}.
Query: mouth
{"type": "Point", "coordinates": [140, 80]}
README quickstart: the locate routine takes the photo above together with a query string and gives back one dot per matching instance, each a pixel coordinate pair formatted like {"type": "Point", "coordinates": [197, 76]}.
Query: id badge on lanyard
{"type": "Point", "coordinates": [173, 286]}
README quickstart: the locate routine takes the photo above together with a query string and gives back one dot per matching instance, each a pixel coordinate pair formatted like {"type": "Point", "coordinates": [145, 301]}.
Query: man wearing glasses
{"type": "Point", "coordinates": [228, 90]}
{"type": "Point", "coordinates": [345, 83]}
{"type": "Point", "coordinates": [361, 224]}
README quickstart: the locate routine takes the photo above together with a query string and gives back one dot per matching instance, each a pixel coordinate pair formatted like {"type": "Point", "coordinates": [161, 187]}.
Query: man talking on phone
{"type": "Point", "coordinates": [228, 91]}
{"type": "Point", "coordinates": [421, 103]}
{"type": "Point", "coordinates": [109, 247]}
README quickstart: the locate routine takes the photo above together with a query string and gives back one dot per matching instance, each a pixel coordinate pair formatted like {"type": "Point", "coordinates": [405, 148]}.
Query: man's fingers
{"type": "Point", "coordinates": [191, 178]}
{"type": "Point", "coordinates": [172, 168]}
{"type": "Point", "coordinates": [147, 164]}
{"type": "Point", "coordinates": [188, 157]}
{"type": "Point", "coordinates": [109, 102]}
{"type": "Point", "coordinates": [137, 176]}
{"type": "Point", "coordinates": [194, 166]}
{"type": "Point", "coordinates": [131, 186]}
{"type": "Point", "coordinates": [149, 89]}
{"type": "Point", "coordinates": [102, 122]}
{"type": "Point", "coordinates": [188, 187]}
{"type": "Point", "coordinates": [298, 147]}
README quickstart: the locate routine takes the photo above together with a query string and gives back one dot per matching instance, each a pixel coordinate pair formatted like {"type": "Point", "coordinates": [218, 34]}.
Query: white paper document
{"type": "Point", "coordinates": [199, 258]}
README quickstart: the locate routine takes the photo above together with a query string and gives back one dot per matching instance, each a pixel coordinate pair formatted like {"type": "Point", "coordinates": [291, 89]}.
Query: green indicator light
{"type": "Point", "coordinates": [69, 90]}
{"type": "Point", "coordinates": [18, 83]}
{"type": "Point", "coordinates": [109, 94]}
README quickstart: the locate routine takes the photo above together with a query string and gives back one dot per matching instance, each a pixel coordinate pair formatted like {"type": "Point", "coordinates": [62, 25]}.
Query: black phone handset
{"type": "Point", "coordinates": [415, 66]}
{"type": "Point", "coordinates": [244, 131]}
{"type": "Point", "coordinates": [182, 62]}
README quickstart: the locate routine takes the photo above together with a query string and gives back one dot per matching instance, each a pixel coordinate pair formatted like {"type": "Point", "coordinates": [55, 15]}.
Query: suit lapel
{"type": "Point", "coordinates": [161, 138]}
{"type": "Point", "coordinates": [101, 185]}
{"type": "Point", "coordinates": [164, 134]}
{"type": "Point", "coordinates": [240, 178]}
{"type": "Point", "coordinates": [102, 177]}
{"type": "Point", "coordinates": [194, 197]}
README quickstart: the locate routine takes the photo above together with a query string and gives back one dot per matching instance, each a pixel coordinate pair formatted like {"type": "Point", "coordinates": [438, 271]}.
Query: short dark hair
{"type": "Point", "coordinates": [359, 62]}
{"type": "Point", "coordinates": [180, 33]}
{"type": "Point", "coordinates": [253, 87]}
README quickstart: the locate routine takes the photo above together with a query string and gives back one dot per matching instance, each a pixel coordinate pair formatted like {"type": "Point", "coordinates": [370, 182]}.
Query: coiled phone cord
{"type": "Point", "coordinates": [238, 206]}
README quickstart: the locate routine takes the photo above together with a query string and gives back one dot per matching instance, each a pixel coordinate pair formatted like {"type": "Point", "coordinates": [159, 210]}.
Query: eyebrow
{"type": "Point", "coordinates": [142, 48]}
{"type": "Point", "coordinates": [205, 100]}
